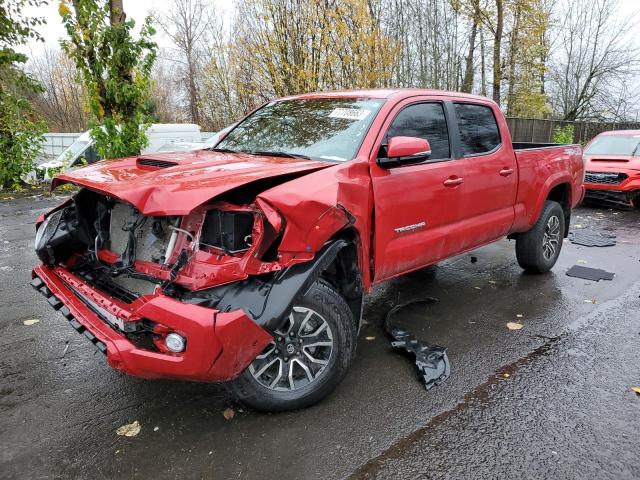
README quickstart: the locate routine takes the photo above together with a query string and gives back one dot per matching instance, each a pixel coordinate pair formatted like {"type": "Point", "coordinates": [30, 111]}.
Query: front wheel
{"type": "Point", "coordinates": [538, 249]}
{"type": "Point", "coordinates": [310, 354]}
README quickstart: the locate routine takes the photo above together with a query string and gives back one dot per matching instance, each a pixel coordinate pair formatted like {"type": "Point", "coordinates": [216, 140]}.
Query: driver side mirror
{"type": "Point", "coordinates": [405, 151]}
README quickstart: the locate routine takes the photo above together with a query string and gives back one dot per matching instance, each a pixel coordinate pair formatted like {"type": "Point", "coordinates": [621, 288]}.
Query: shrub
{"type": "Point", "coordinates": [563, 135]}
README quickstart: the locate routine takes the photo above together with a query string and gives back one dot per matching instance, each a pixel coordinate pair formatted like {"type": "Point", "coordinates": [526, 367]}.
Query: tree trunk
{"type": "Point", "coordinates": [467, 83]}
{"type": "Point", "coordinates": [483, 66]}
{"type": "Point", "coordinates": [116, 12]}
{"type": "Point", "coordinates": [513, 50]}
{"type": "Point", "coordinates": [497, 49]}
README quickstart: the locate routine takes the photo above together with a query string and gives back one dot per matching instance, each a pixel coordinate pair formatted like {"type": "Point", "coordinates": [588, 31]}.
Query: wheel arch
{"type": "Point", "coordinates": [344, 273]}
{"type": "Point", "coordinates": [561, 193]}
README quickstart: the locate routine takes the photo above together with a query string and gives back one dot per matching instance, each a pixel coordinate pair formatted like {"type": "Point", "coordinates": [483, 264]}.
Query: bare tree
{"type": "Point", "coordinates": [186, 24]}
{"type": "Point", "coordinates": [165, 91]}
{"type": "Point", "coordinates": [497, 50]}
{"type": "Point", "coordinates": [476, 19]}
{"type": "Point", "coordinates": [594, 55]}
{"type": "Point", "coordinates": [431, 35]}
{"type": "Point", "coordinates": [62, 104]}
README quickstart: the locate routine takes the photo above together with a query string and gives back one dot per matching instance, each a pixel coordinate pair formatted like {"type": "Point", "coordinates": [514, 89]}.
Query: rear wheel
{"type": "Point", "coordinates": [635, 201]}
{"type": "Point", "coordinates": [538, 249]}
{"type": "Point", "coordinates": [310, 354]}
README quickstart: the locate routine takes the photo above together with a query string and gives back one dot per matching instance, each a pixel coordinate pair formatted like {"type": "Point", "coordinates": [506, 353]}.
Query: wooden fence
{"type": "Point", "coordinates": [539, 130]}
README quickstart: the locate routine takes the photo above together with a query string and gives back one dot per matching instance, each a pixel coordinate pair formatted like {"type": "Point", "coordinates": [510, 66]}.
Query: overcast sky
{"type": "Point", "coordinates": [137, 10]}
{"type": "Point", "coordinates": [53, 31]}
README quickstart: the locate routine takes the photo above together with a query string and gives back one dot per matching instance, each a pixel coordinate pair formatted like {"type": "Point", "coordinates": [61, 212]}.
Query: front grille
{"type": "Point", "coordinates": [105, 284]}
{"type": "Point", "coordinates": [154, 163]}
{"type": "Point", "coordinates": [603, 178]}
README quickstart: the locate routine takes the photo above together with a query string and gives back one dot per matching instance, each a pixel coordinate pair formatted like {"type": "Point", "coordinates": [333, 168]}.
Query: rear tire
{"type": "Point", "coordinates": [292, 373]}
{"type": "Point", "coordinates": [538, 249]}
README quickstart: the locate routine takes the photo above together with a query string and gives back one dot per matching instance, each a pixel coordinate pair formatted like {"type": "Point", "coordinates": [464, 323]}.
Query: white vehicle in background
{"type": "Point", "coordinates": [192, 146]}
{"type": "Point", "coordinates": [82, 152]}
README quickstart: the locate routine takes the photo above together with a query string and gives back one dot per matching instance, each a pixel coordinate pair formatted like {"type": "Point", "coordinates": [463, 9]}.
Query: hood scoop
{"type": "Point", "coordinates": [154, 163]}
{"type": "Point", "coordinates": [610, 160]}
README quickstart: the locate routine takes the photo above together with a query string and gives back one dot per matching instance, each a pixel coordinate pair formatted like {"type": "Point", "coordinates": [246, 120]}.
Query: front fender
{"type": "Point", "coordinates": [268, 302]}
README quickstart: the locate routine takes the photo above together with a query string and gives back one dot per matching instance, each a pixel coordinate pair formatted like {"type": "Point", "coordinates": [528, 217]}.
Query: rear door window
{"type": "Point", "coordinates": [479, 131]}
{"type": "Point", "coordinates": [423, 120]}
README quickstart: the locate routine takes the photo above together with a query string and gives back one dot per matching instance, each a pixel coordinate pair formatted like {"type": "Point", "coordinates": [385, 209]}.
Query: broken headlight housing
{"type": "Point", "coordinates": [229, 231]}
{"type": "Point", "coordinates": [55, 239]}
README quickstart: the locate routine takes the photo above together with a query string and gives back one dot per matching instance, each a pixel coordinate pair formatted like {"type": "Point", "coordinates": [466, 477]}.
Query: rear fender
{"type": "Point", "coordinates": [552, 182]}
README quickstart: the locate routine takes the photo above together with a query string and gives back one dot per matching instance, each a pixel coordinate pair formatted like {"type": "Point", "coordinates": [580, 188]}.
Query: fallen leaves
{"type": "Point", "coordinates": [31, 321]}
{"type": "Point", "coordinates": [129, 430]}
{"type": "Point", "coordinates": [514, 325]}
{"type": "Point", "coordinates": [228, 414]}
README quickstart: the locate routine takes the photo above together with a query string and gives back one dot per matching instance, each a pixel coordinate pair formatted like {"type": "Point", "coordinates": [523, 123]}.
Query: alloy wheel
{"type": "Point", "coordinates": [551, 237]}
{"type": "Point", "coordinates": [299, 353]}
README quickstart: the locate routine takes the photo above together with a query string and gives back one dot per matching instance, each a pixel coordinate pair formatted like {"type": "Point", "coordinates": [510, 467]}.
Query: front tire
{"type": "Point", "coordinates": [308, 358]}
{"type": "Point", "coordinates": [538, 249]}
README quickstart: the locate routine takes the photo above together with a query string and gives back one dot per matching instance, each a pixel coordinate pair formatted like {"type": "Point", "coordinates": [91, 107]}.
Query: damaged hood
{"type": "Point", "coordinates": [176, 183]}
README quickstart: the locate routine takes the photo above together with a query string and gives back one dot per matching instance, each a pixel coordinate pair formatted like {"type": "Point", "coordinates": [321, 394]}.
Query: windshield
{"type": "Point", "coordinates": [212, 140]}
{"type": "Point", "coordinates": [614, 145]}
{"type": "Point", "coordinates": [323, 128]}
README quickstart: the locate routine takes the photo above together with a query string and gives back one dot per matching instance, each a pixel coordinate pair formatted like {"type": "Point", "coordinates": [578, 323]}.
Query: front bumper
{"type": "Point", "coordinates": [630, 184]}
{"type": "Point", "coordinates": [220, 345]}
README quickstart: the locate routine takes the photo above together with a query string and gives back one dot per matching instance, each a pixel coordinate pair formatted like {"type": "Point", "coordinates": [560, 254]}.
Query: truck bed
{"type": "Point", "coordinates": [533, 145]}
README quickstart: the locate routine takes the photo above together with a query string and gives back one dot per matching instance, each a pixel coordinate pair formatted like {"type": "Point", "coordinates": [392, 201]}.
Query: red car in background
{"type": "Point", "coordinates": [612, 163]}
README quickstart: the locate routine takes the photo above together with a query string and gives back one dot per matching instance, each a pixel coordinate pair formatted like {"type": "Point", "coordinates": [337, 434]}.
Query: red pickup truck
{"type": "Point", "coordinates": [248, 262]}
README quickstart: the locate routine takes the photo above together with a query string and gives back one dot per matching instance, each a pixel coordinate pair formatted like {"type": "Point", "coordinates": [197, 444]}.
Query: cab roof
{"type": "Point", "coordinates": [398, 93]}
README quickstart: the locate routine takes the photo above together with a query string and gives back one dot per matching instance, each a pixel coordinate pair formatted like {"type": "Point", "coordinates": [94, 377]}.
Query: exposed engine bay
{"type": "Point", "coordinates": [139, 253]}
{"type": "Point", "coordinates": [220, 255]}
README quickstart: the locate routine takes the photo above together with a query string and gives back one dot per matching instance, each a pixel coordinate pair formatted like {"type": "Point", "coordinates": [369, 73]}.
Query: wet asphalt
{"type": "Point", "coordinates": [551, 400]}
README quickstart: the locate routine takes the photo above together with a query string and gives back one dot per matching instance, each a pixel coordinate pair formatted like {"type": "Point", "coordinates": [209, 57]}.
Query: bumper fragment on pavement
{"type": "Point", "coordinates": [432, 360]}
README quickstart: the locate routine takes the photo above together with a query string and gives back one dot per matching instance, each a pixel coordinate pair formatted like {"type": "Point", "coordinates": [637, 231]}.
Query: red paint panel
{"type": "Point", "coordinates": [231, 338]}
{"type": "Point", "coordinates": [198, 177]}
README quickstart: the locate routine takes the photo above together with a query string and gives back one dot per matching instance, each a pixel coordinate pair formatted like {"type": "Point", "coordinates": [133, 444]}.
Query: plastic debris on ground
{"type": "Point", "coordinates": [586, 273]}
{"type": "Point", "coordinates": [592, 238]}
{"type": "Point", "coordinates": [431, 360]}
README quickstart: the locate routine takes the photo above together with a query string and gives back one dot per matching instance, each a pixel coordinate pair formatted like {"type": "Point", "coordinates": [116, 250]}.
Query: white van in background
{"type": "Point", "coordinates": [192, 146]}
{"type": "Point", "coordinates": [81, 151]}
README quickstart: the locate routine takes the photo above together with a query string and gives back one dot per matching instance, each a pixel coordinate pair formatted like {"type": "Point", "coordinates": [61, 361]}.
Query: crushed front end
{"type": "Point", "coordinates": [158, 294]}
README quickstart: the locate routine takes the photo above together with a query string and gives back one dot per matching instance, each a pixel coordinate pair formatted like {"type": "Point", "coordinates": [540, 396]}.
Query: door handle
{"type": "Point", "coordinates": [453, 182]}
{"type": "Point", "coordinates": [505, 172]}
